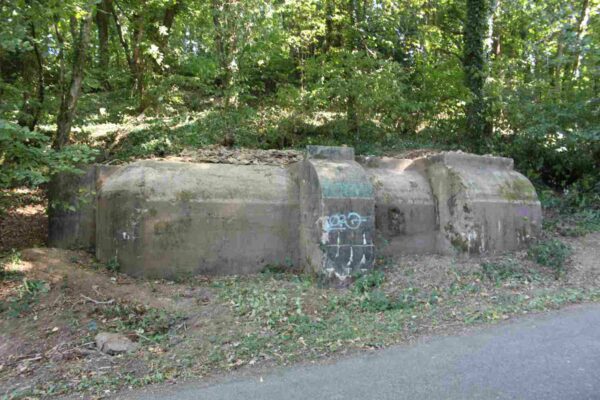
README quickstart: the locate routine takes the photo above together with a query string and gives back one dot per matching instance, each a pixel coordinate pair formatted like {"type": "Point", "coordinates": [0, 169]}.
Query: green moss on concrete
{"type": "Point", "coordinates": [185, 196]}
{"type": "Point", "coordinates": [518, 189]}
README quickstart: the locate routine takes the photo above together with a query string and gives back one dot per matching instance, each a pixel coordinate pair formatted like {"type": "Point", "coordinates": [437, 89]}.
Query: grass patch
{"type": "Point", "coordinates": [26, 295]}
{"type": "Point", "coordinates": [551, 253]}
{"type": "Point", "coordinates": [507, 269]}
{"type": "Point", "coordinates": [149, 324]}
{"type": "Point", "coordinates": [12, 258]}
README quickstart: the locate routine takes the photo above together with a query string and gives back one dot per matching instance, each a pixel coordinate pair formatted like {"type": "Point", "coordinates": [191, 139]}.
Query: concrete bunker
{"type": "Point", "coordinates": [331, 213]}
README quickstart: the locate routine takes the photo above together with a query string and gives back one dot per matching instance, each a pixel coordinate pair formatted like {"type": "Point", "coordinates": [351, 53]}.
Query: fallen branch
{"type": "Point", "coordinates": [145, 337]}
{"type": "Point", "coordinates": [97, 301]}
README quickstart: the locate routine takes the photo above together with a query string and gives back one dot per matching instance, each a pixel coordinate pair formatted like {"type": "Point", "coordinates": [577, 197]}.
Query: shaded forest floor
{"type": "Point", "coordinates": [53, 303]}
{"type": "Point", "coordinates": [23, 219]}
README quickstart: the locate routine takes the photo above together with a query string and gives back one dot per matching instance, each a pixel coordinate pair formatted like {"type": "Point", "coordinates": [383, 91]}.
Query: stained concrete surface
{"type": "Point", "coordinates": [328, 214]}
{"type": "Point", "coordinates": [551, 356]}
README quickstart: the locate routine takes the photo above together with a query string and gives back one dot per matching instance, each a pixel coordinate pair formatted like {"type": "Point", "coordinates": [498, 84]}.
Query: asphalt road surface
{"type": "Point", "coordinates": [550, 356]}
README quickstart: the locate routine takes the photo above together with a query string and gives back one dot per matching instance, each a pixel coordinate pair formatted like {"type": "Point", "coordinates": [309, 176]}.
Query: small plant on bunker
{"type": "Point", "coordinates": [551, 253]}
{"type": "Point", "coordinates": [113, 265]}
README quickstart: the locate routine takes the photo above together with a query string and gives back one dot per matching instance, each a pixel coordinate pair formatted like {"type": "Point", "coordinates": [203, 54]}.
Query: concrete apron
{"type": "Point", "coordinates": [328, 213]}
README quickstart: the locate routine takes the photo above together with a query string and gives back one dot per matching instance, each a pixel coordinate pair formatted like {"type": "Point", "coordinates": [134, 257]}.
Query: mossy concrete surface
{"type": "Point", "coordinates": [328, 214]}
{"type": "Point", "coordinates": [171, 220]}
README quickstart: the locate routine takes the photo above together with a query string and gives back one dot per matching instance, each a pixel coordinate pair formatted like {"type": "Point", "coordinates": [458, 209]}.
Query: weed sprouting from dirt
{"type": "Point", "coordinates": [11, 259]}
{"type": "Point", "coordinates": [369, 281]}
{"type": "Point", "coordinates": [551, 253]}
{"type": "Point", "coordinates": [26, 294]}
{"type": "Point", "coordinates": [113, 265]}
{"type": "Point", "coordinates": [149, 324]}
{"type": "Point", "coordinates": [507, 269]}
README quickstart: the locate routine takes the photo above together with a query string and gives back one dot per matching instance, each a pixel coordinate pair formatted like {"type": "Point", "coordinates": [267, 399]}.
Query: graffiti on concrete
{"type": "Point", "coordinates": [336, 189]}
{"type": "Point", "coordinates": [347, 243]}
{"type": "Point", "coordinates": [134, 226]}
{"type": "Point", "coordinates": [341, 222]}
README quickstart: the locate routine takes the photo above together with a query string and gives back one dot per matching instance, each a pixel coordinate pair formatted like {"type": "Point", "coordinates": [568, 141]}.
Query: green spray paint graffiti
{"type": "Point", "coordinates": [341, 189]}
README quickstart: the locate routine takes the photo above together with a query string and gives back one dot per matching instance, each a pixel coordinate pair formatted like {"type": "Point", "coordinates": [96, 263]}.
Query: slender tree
{"type": "Point", "coordinates": [475, 60]}
{"type": "Point", "coordinates": [356, 16]}
{"type": "Point", "coordinates": [72, 92]}
{"type": "Point", "coordinates": [103, 13]}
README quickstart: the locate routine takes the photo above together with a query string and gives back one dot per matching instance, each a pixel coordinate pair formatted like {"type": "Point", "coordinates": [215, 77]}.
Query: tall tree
{"type": "Point", "coordinates": [31, 107]}
{"type": "Point", "coordinates": [477, 30]}
{"type": "Point", "coordinates": [582, 23]}
{"type": "Point", "coordinates": [103, 13]}
{"type": "Point", "coordinates": [72, 92]}
{"type": "Point", "coordinates": [356, 16]}
{"type": "Point", "coordinates": [133, 47]}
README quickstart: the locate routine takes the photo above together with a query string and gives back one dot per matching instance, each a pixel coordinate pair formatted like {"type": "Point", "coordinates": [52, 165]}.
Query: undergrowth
{"type": "Point", "coordinates": [551, 253]}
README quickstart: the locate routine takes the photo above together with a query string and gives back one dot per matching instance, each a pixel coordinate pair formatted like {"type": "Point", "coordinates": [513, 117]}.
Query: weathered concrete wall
{"type": "Point", "coordinates": [167, 219]}
{"type": "Point", "coordinates": [405, 213]}
{"type": "Point", "coordinates": [72, 208]}
{"type": "Point", "coordinates": [327, 213]}
{"type": "Point", "coordinates": [483, 205]}
{"type": "Point", "coordinates": [337, 213]}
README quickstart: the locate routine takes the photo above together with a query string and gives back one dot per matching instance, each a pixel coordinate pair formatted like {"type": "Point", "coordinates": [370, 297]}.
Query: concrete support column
{"type": "Point", "coordinates": [72, 208]}
{"type": "Point", "coordinates": [337, 213]}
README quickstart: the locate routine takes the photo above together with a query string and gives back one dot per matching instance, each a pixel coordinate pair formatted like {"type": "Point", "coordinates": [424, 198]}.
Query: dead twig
{"type": "Point", "coordinates": [97, 301]}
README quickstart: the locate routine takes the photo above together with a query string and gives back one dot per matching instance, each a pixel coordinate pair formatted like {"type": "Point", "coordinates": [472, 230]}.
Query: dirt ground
{"type": "Point", "coordinates": [53, 303]}
{"type": "Point", "coordinates": [23, 219]}
{"type": "Point", "coordinates": [47, 346]}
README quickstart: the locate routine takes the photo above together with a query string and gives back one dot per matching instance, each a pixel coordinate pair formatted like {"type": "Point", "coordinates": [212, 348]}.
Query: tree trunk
{"type": "Point", "coordinates": [168, 20]}
{"type": "Point", "coordinates": [68, 104]}
{"type": "Point", "coordinates": [225, 24]}
{"type": "Point", "coordinates": [351, 112]}
{"type": "Point", "coordinates": [31, 109]}
{"type": "Point", "coordinates": [103, 11]}
{"type": "Point", "coordinates": [218, 11]}
{"type": "Point", "coordinates": [475, 62]}
{"type": "Point", "coordinates": [137, 60]}
{"type": "Point", "coordinates": [134, 55]}
{"type": "Point", "coordinates": [122, 39]}
{"type": "Point", "coordinates": [582, 23]}
{"type": "Point", "coordinates": [329, 14]}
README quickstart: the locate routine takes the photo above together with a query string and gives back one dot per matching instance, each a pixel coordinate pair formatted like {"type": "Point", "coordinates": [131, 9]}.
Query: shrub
{"type": "Point", "coordinates": [376, 301]}
{"type": "Point", "coordinates": [551, 253]}
{"type": "Point", "coordinates": [26, 157]}
{"type": "Point", "coordinates": [505, 270]}
{"type": "Point", "coordinates": [369, 281]}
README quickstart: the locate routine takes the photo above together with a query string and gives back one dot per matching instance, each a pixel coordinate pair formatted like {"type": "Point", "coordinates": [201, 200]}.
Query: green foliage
{"type": "Point", "coordinates": [506, 269]}
{"type": "Point", "coordinates": [376, 301]}
{"type": "Point", "coordinates": [26, 295]}
{"type": "Point", "coordinates": [12, 258]}
{"type": "Point", "coordinates": [376, 75]}
{"type": "Point", "coordinates": [576, 211]}
{"type": "Point", "coordinates": [551, 253]}
{"type": "Point", "coordinates": [366, 282]}
{"type": "Point", "coordinates": [113, 265]}
{"type": "Point", "coordinates": [408, 299]}
{"type": "Point", "coordinates": [27, 159]}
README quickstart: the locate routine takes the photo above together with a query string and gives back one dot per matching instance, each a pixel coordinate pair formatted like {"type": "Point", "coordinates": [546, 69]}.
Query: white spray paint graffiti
{"type": "Point", "coordinates": [334, 237]}
{"type": "Point", "coordinates": [342, 222]}
{"type": "Point", "coordinates": [135, 221]}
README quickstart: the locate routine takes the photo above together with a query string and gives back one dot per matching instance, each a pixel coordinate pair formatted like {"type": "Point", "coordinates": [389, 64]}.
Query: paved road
{"type": "Point", "coordinates": [554, 356]}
